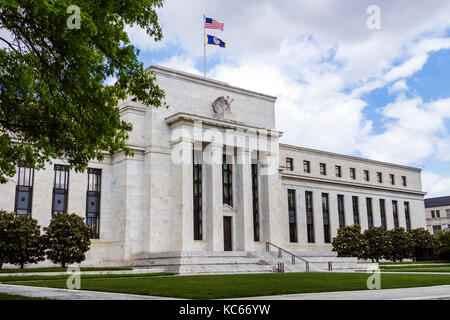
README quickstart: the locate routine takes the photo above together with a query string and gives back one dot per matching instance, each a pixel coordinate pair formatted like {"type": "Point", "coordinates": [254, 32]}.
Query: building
{"type": "Point", "coordinates": [437, 211]}
{"type": "Point", "coordinates": [209, 174]}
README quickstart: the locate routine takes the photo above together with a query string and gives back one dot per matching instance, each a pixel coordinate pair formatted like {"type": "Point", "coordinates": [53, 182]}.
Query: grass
{"type": "Point", "coordinates": [413, 262]}
{"type": "Point", "coordinates": [235, 286]}
{"type": "Point", "coordinates": [435, 269]}
{"type": "Point", "coordinates": [62, 269]}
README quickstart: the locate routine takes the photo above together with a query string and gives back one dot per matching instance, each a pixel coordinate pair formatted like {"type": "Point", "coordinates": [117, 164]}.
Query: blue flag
{"type": "Point", "coordinates": [215, 41]}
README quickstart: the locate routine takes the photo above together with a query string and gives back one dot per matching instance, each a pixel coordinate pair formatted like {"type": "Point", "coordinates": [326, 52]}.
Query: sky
{"type": "Point", "coordinates": [349, 79]}
{"type": "Point", "coordinates": [369, 78]}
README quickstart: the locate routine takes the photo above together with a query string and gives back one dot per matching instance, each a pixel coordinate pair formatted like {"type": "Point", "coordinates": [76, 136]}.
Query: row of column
{"type": "Point", "coordinates": [213, 208]}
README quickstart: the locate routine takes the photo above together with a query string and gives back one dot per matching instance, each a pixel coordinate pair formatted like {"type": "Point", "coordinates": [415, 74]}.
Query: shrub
{"type": "Point", "coordinates": [67, 239]}
{"type": "Point", "coordinates": [7, 242]}
{"type": "Point", "coordinates": [376, 243]}
{"type": "Point", "coordinates": [28, 245]}
{"type": "Point", "coordinates": [349, 241]}
{"type": "Point", "coordinates": [400, 245]}
{"type": "Point", "coordinates": [421, 238]}
{"type": "Point", "coordinates": [443, 239]}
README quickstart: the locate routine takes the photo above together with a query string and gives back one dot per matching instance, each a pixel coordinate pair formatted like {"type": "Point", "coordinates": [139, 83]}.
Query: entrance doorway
{"type": "Point", "coordinates": [227, 244]}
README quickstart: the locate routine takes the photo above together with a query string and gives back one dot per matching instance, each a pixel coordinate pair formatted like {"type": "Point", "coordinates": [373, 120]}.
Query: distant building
{"type": "Point", "coordinates": [437, 211]}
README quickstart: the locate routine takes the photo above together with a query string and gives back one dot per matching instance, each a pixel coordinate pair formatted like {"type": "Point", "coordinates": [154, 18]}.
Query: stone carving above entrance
{"type": "Point", "coordinates": [221, 106]}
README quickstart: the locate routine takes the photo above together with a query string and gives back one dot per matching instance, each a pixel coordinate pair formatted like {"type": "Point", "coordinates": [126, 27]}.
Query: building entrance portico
{"type": "Point", "coordinates": [224, 152]}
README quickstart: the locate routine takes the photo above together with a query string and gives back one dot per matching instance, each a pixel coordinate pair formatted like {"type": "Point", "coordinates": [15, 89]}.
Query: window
{"type": "Point", "coordinates": [60, 189]}
{"type": "Point", "coordinates": [309, 216]}
{"type": "Point", "coordinates": [383, 213]}
{"type": "Point", "coordinates": [432, 214]}
{"type": "Point", "coordinates": [341, 210]}
{"type": "Point", "coordinates": [379, 177]}
{"type": "Point", "coordinates": [438, 213]}
{"type": "Point", "coordinates": [353, 173]}
{"type": "Point", "coordinates": [227, 182]}
{"type": "Point", "coordinates": [289, 164]}
{"type": "Point", "coordinates": [255, 202]}
{"type": "Point", "coordinates": [93, 201]}
{"type": "Point", "coordinates": [447, 211]}
{"type": "Point", "coordinates": [404, 181]}
{"type": "Point", "coordinates": [407, 217]}
{"type": "Point", "coordinates": [392, 178]}
{"type": "Point", "coordinates": [323, 169]}
{"type": "Point", "coordinates": [198, 199]}
{"type": "Point", "coordinates": [338, 171]}
{"type": "Point", "coordinates": [369, 212]}
{"type": "Point", "coordinates": [355, 204]}
{"type": "Point", "coordinates": [24, 190]}
{"type": "Point", "coordinates": [436, 229]}
{"type": "Point", "coordinates": [326, 218]}
{"type": "Point", "coordinates": [292, 216]}
{"type": "Point", "coordinates": [366, 175]}
{"type": "Point", "coordinates": [395, 213]}
{"type": "Point", "coordinates": [306, 166]}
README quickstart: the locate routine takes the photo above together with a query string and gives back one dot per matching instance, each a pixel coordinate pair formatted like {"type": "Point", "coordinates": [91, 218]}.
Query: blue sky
{"type": "Point", "coordinates": [341, 86]}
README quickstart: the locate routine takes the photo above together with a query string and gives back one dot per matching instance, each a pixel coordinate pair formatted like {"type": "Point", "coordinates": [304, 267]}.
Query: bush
{"type": "Point", "coordinates": [67, 239]}
{"type": "Point", "coordinates": [421, 238]}
{"type": "Point", "coordinates": [28, 246]}
{"type": "Point", "coordinates": [443, 239]}
{"type": "Point", "coordinates": [349, 241]}
{"type": "Point", "coordinates": [400, 245]}
{"type": "Point", "coordinates": [7, 242]}
{"type": "Point", "coordinates": [375, 244]}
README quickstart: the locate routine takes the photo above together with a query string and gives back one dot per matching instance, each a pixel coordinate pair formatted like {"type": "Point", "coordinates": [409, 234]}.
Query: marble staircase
{"type": "Point", "coordinates": [231, 262]}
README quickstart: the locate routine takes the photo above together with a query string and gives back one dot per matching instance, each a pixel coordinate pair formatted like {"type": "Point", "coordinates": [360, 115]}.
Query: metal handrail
{"type": "Point", "coordinates": [293, 256]}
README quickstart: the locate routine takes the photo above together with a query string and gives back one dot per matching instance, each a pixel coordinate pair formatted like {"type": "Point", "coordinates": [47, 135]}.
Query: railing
{"type": "Point", "coordinates": [293, 256]}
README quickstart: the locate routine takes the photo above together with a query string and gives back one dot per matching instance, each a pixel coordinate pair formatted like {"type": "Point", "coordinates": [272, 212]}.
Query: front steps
{"type": "Point", "coordinates": [231, 262]}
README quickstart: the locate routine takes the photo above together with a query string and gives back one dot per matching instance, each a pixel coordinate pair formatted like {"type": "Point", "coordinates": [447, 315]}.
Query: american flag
{"type": "Point", "coordinates": [213, 24]}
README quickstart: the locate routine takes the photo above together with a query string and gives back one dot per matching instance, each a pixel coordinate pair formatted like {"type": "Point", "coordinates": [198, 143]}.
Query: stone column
{"type": "Point", "coordinates": [363, 212]}
{"type": "Point", "coordinates": [334, 213]}
{"type": "Point", "coordinates": [389, 214]}
{"type": "Point", "coordinates": [244, 201]}
{"type": "Point", "coordinates": [301, 216]}
{"type": "Point", "coordinates": [213, 214]}
{"type": "Point", "coordinates": [273, 228]}
{"type": "Point", "coordinates": [401, 214]}
{"type": "Point", "coordinates": [348, 207]}
{"type": "Point", "coordinates": [318, 217]}
{"type": "Point", "coordinates": [183, 185]}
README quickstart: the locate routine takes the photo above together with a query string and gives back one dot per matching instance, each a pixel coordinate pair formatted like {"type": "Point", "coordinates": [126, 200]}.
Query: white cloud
{"type": "Point", "coordinates": [320, 59]}
{"type": "Point", "coordinates": [435, 185]}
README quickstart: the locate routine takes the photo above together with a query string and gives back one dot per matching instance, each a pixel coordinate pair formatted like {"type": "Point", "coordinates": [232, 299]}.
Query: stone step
{"type": "Point", "coordinates": [179, 254]}
{"type": "Point", "coordinates": [195, 261]}
{"type": "Point", "coordinates": [221, 268]}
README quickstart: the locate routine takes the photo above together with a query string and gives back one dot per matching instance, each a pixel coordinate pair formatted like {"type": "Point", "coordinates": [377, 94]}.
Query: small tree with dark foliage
{"type": "Point", "coordinates": [28, 244]}
{"type": "Point", "coordinates": [349, 241]}
{"type": "Point", "coordinates": [7, 242]}
{"type": "Point", "coordinates": [443, 239]}
{"type": "Point", "coordinates": [400, 246]}
{"type": "Point", "coordinates": [376, 243]}
{"type": "Point", "coordinates": [421, 238]}
{"type": "Point", "coordinates": [67, 239]}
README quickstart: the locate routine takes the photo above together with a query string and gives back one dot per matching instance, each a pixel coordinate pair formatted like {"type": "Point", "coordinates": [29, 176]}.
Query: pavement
{"type": "Point", "coordinates": [65, 294]}
{"type": "Point", "coordinates": [419, 293]}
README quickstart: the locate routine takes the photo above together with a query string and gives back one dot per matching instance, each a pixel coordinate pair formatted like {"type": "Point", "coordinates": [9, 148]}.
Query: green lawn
{"type": "Point", "coordinates": [62, 269]}
{"type": "Point", "coordinates": [415, 266]}
{"type": "Point", "coordinates": [414, 262]}
{"type": "Point", "coordinates": [234, 286]}
{"type": "Point", "coordinates": [417, 269]}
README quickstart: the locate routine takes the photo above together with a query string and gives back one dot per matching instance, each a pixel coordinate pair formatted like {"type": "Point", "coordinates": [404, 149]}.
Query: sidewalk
{"type": "Point", "coordinates": [65, 294]}
{"type": "Point", "coordinates": [418, 293]}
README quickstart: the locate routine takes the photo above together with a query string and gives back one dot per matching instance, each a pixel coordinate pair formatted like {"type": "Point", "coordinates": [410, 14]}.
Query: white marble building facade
{"type": "Point", "coordinates": [147, 203]}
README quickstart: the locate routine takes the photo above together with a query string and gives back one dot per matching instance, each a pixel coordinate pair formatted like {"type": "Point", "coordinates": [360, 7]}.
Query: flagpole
{"type": "Point", "coordinates": [204, 47]}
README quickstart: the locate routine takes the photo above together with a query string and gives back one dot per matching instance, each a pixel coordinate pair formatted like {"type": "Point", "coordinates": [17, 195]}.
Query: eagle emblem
{"type": "Point", "coordinates": [222, 105]}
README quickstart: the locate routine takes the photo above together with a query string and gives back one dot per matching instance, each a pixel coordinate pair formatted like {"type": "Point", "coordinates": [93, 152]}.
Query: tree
{"type": "Point", "coordinates": [443, 239]}
{"type": "Point", "coordinates": [7, 242]}
{"type": "Point", "coordinates": [67, 239]}
{"type": "Point", "coordinates": [349, 241]}
{"type": "Point", "coordinates": [400, 246]}
{"type": "Point", "coordinates": [28, 242]}
{"type": "Point", "coordinates": [421, 238]}
{"type": "Point", "coordinates": [376, 243]}
{"type": "Point", "coordinates": [54, 100]}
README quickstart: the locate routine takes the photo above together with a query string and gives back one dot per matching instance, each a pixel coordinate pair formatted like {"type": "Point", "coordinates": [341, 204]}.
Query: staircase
{"type": "Point", "coordinates": [200, 262]}
{"type": "Point", "coordinates": [232, 262]}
